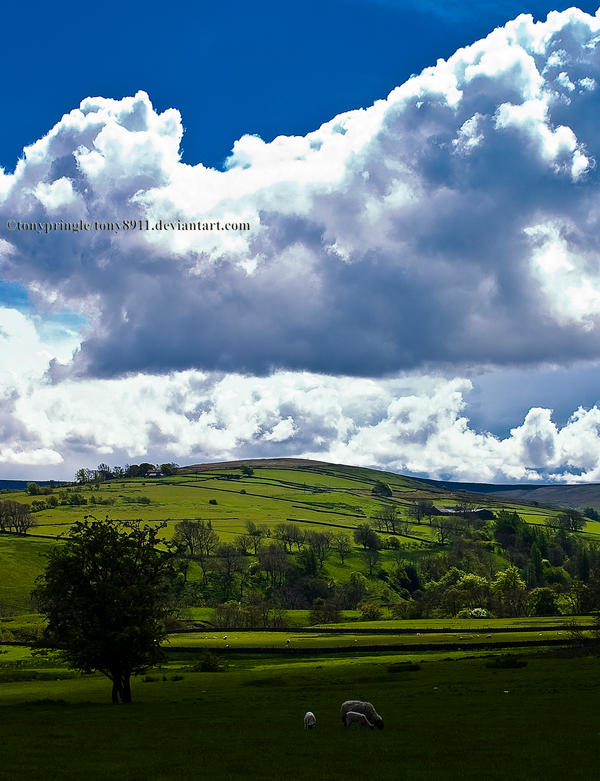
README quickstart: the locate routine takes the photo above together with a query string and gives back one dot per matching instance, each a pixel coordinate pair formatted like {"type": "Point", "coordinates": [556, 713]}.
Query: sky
{"type": "Point", "coordinates": [362, 231]}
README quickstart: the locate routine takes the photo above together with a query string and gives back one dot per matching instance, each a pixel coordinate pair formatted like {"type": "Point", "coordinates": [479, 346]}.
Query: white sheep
{"type": "Point", "coordinates": [352, 717]}
{"type": "Point", "coordinates": [359, 706]}
{"type": "Point", "coordinates": [310, 721]}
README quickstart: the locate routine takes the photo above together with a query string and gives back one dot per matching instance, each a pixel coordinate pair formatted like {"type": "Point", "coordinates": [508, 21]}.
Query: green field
{"type": "Point", "coordinates": [454, 719]}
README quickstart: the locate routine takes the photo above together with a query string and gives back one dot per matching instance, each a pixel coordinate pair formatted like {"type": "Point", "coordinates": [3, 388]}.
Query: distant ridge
{"type": "Point", "coordinates": [569, 495]}
{"type": "Point", "coordinates": [273, 463]}
{"type": "Point", "coordinates": [21, 485]}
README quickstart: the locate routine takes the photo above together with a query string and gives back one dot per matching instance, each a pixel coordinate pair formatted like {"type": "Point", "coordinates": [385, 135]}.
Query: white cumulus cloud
{"type": "Point", "coordinates": [389, 238]}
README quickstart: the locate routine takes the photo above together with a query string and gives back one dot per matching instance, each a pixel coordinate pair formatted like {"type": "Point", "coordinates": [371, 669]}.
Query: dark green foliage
{"type": "Point", "coordinates": [507, 527]}
{"type": "Point", "coordinates": [106, 593]}
{"type": "Point", "coordinates": [212, 501]}
{"type": "Point", "coordinates": [572, 520]}
{"type": "Point", "coordinates": [308, 561]}
{"type": "Point", "coordinates": [246, 470]}
{"type": "Point", "coordinates": [381, 489]}
{"type": "Point", "coordinates": [366, 536]}
{"type": "Point", "coordinates": [370, 611]}
{"type": "Point", "coordinates": [324, 611]}
{"type": "Point", "coordinates": [537, 567]}
{"type": "Point", "coordinates": [543, 602]}
{"type": "Point", "coordinates": [209, 663]}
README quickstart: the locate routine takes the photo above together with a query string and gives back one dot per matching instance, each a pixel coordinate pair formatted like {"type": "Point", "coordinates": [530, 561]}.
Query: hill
{"type": "Point", "coordinates": [21, 485]}
{"type": "Point", "coordinates": [321, 524]}
{"type": "Point", "coordinates": [576, 495]}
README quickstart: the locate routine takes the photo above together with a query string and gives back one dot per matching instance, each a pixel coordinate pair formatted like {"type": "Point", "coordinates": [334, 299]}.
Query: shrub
{"type": "Point", "coordinates": [209, 663]}
{"type": "Point", "coordinates": [381, 489]}
{"type": "Point", "coordinates": [506, 662]}
{"type": "Point", "coordinates": [474, 612]}
{"type": "Point", "coordinates": [370, 611]}
{"type": "Point", "coordinates": [212, 501]}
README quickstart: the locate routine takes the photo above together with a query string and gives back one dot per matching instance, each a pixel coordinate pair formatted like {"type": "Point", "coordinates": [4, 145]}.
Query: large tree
{"type": "Point", "coordinates": [106, 593]}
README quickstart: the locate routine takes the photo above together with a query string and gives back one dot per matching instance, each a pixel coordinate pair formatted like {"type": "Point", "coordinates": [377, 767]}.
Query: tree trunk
{"type": "Point", "coordinates": [121, 688]}
{"type": "Point", "coordinates": [126, 688]}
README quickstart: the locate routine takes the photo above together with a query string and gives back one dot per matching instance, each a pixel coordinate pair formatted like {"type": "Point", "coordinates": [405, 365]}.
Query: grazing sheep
{"type": "Point", "coordinates": [359, 706]}
{"type": "Point", "coordinates": [310, 721]}
{"type": "Point", "coordinates": [352, 717]}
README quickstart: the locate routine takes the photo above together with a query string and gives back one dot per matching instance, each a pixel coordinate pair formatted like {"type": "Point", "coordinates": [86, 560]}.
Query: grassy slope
{"type": "Point", "coordinates": [318, 496]}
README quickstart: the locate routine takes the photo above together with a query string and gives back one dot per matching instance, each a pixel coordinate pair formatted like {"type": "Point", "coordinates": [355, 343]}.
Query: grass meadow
{"type": "Point", "coordinates": [444, 719]}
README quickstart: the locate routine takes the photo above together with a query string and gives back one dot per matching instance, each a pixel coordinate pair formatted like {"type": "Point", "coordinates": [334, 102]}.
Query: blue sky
{"type": "Point", "coordinates": [420, 286]}
{"type": "Point", "coordinates": [231, 67]}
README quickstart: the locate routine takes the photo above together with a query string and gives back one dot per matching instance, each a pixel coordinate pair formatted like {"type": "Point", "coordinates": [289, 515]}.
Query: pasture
{"type": "Point", "coordinates": [453, 719]}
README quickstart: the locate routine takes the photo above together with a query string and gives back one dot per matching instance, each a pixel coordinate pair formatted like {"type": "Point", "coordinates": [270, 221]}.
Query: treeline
{"type": "Point", "coordinates": [501, 567]}
{"type": "Point", "coordinates": [70, 497]}
{"type": "Point", "coordinates": [104, 472]}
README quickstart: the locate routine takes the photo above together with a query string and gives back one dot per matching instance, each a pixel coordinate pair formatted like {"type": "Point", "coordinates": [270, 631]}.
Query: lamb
{"type": "Point", "coordinates": [310, 721]}
{"type": "Point", "coordinates": [352, 717]}
{"type": "Point", "coordinates": [359, 706]}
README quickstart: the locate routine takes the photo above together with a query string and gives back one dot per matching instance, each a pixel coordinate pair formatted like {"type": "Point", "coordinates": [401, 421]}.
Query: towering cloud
{"type": "Point", "coordinates": [451, 226]}
{"type": "Point", "coordinates": [454, 222]}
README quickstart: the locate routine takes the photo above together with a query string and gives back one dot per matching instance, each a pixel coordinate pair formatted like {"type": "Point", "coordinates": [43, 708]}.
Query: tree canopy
{"type": "Point", "coordinates": [106, 593]}
{"type": "Point", "coordinates": [381, 489]}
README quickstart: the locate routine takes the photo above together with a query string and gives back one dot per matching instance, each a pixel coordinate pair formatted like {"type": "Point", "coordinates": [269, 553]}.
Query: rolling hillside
{"type": "Point", "coordinates": [315, 496]}
{"type": "Point", "coordinates": [578, 495]}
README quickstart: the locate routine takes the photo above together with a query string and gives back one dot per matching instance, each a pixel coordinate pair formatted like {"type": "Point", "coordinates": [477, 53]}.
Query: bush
{"type": "Point", "coordinates": [209, 663]}
{"type": "Point", "coordinates": [381, 489]}
{"type": "Point", "coordinates": [543, 602]}
{"type": "Point", "coordinates": [212, 501]}
{"type": "Point", "coordinates": [474, 612]}
{"type": "Point", "coordinates": [370, 611]}
{"type": "Point", "coordinates": [405, 608]}
{"type": "Point", "coordinates": [324, 611]}
{"type": "Point", "coordinates": [506, 662]}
